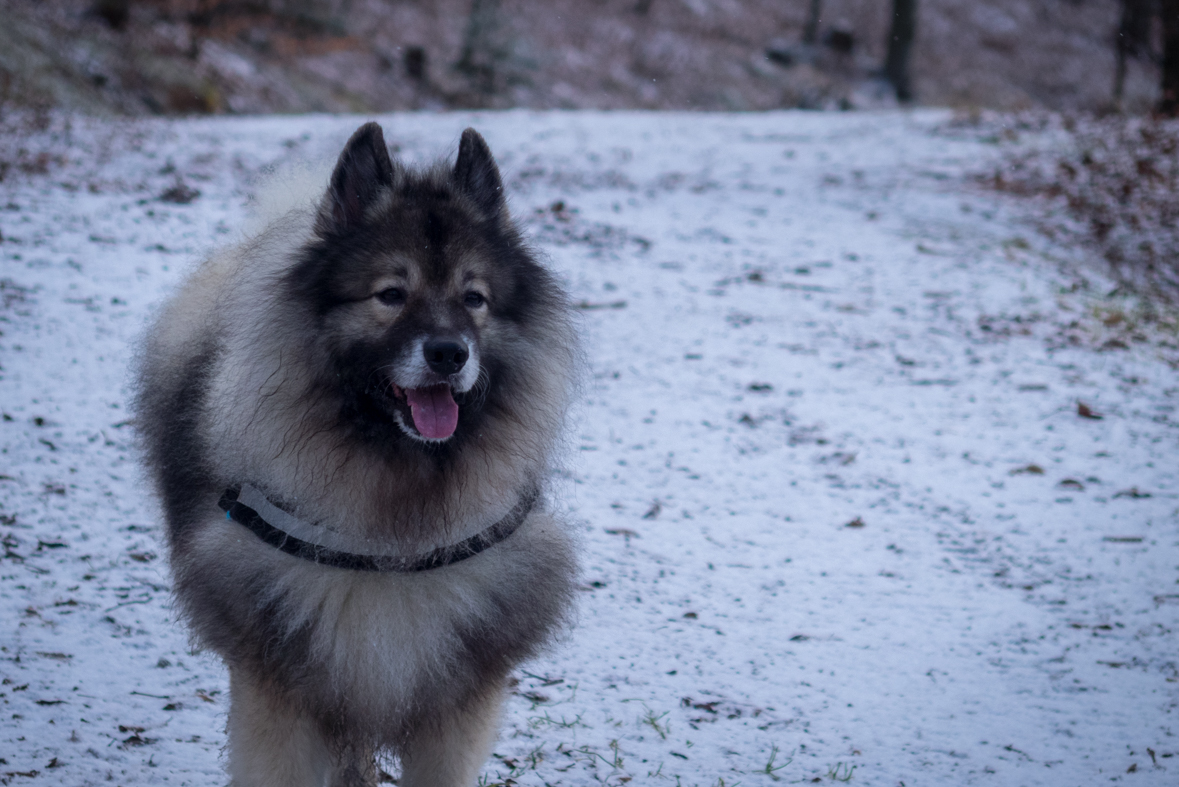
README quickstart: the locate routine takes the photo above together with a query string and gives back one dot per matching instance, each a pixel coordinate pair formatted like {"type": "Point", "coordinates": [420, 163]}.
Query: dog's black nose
{"type": "Point", "coordinates": [445, 356]}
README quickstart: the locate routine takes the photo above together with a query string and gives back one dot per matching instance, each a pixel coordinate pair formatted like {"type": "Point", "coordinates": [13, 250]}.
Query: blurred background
{"type": "Point", "coordinates": [180, 57]}
{"type": "Point", "coordinates": [1096, 81]}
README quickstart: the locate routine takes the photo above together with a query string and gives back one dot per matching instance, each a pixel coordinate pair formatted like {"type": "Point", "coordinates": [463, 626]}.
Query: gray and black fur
{"type": "Point", "coordinates": [292, 363]}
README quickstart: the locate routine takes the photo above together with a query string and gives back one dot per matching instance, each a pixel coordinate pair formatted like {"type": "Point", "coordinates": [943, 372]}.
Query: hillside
{"type": "Point", "coordinates": [137, 57]}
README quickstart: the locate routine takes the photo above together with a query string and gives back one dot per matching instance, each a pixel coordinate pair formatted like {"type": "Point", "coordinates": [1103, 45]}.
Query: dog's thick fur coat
{"type": "Point", "coordinates": [392, 365]}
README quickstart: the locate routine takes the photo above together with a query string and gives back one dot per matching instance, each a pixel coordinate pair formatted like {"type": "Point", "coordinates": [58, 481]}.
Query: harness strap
{"type": "Point", "coordinates": [250, 518]}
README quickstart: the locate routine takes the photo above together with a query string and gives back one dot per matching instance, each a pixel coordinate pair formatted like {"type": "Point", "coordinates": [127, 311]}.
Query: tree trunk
{"type": "Point", "coordinates": [1133, 40]}
{"type": "Point", "coordinates": [900, 44]}
{"type": "Point", "coordinates": [810, 32]}
{"type": "Point", "coordinates": [1169, 102]}
{"type": "Point", "coordinates": [479, 56]}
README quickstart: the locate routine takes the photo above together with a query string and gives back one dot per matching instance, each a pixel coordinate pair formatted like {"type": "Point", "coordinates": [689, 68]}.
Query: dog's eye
{"type": "Point", "coordinates": [392, 296]}
{"type": "Point", "coordinates": [474, 299]}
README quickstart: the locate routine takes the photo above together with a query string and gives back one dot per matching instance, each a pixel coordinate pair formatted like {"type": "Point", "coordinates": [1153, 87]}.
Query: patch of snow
{"type": "Point", "coordinates": [821, 371]}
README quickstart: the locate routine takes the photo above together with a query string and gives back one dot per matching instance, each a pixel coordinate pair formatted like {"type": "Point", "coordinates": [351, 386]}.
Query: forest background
{"type": "Point", "coordinates": [1102, 73]}
{"type": "Point", "coordinates": [135, 57]}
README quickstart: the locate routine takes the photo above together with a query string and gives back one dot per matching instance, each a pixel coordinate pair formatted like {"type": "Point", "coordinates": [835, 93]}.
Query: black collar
{"type": "Point", "coordinates": [443, 556]}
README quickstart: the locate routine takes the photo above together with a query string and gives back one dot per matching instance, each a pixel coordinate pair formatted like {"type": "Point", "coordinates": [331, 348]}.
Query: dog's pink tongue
{"type": "Point", "coordinates": [435, 414]}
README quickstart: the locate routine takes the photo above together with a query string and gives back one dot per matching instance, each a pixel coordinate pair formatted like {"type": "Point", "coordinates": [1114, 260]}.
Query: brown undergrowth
{"type": "Point", "coordinates": [1117, 180]}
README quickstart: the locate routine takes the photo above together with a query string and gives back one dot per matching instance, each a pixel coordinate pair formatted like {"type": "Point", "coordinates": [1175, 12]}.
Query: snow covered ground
{"type": "Point", "coordinates": [843, 518]}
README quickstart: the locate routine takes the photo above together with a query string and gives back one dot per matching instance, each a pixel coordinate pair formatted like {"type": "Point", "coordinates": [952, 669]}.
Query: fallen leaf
{"type": "Point", "coordinates": [180, 194]}
{"type": "Point", "coordinates": [1085, 411]}
{"type": "Point", "coordinates": [137, 740]}
{"type": "Point", "coordinates": [589, 306]}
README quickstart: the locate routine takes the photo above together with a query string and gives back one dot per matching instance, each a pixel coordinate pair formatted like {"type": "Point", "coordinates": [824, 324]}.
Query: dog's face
{"type": "Point", "coordinates": [421, 291]}
{"type": "Point", "coordinates": [425, 336]}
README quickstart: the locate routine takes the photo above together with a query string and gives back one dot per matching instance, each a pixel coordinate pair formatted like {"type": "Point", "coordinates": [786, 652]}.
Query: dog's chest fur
{"type": "Point", "coordinates": [379, 648]}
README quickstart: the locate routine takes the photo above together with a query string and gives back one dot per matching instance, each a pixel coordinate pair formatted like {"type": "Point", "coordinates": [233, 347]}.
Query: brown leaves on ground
{"type": "Point", "coordinates": [1119, 176]}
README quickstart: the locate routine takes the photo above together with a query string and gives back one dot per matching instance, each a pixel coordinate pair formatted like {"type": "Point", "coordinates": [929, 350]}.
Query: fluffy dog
{"type": "Point", "coordinates": [350, 419]}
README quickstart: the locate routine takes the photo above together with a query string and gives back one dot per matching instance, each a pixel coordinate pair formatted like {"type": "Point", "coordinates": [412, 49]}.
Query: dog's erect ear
{"type": "Point", "coordinates": [476, 174]}
{"type": "Point", "coordinates": [364, 169]}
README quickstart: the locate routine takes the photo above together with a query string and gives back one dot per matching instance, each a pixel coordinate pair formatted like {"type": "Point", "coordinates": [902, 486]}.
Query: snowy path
{"type": "Point", "coordinates": [793, 322]}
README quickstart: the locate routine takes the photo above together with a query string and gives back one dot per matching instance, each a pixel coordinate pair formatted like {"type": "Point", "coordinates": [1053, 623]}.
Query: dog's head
{"type": "Point", "coordinates": [424, 298]}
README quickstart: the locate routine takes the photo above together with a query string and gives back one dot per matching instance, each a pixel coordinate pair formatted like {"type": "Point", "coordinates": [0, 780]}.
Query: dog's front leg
{"type": "Point", "coordinates": [271, 744]}
{"type": "Point", "coordinates": [449, 750]}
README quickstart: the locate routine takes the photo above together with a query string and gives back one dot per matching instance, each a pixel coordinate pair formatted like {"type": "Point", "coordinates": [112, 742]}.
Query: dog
{"type": "Point", "coordinates": [350, 418]}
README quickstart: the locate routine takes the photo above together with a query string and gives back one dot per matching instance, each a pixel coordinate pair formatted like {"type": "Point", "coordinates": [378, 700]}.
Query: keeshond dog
{"type": "Point", "coordinates": [350, 419]}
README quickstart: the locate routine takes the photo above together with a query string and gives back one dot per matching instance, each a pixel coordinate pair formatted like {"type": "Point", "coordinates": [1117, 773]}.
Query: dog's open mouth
{"type": "Point", "coordinates": [432, 409]}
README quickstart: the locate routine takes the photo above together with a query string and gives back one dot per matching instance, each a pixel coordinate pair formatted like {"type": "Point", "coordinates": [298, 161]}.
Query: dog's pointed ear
{"type": "Point", "coordinates": [476, 174]}
{"type": "Point", "coordinates": [362, 172]}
